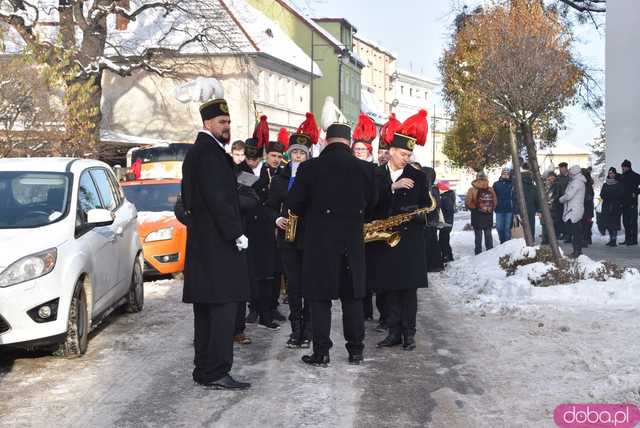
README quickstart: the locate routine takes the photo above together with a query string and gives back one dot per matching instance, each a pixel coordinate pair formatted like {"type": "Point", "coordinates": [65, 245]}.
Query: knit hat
{"type": "Point", "coordinates": [299, 142]}
{"type": "Point", "coordinates": [626, 163]}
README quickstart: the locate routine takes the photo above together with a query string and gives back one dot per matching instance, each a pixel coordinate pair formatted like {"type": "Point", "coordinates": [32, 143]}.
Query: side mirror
{"type": "Point", "coordinates": [99, 217]}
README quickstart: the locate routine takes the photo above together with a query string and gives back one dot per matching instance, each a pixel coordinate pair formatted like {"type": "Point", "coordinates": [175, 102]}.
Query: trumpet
{"type": "Point", "coordinates": [292, 228]}
{"type": "Point", "coordinates": [380, 230]}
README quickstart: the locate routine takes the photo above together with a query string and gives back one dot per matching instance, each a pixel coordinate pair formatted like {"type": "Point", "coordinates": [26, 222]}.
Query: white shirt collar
{"type": "Point", "coordinates": [206, 131]}
{"type": "Point", "coordinates": [395, 175]}
{"type": "Point", "coordinates": [256, 170]}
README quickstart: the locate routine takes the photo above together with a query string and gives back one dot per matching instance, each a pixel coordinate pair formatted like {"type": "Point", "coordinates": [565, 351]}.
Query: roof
{"type": "Point", "coordinates": [231, 27]}
{"type": "Point", "coordinates": [342, 21]}
{"type": "Point", "coordinates": [54, 164]}
{"type": "Point", "coordinates": [109, 136]}
{"type": "Point", "coordinates": [564, 148]}
{"type": "Point", "coordinates": [375, 45]}
{"type": "Point", "coordinates": [417, 77]}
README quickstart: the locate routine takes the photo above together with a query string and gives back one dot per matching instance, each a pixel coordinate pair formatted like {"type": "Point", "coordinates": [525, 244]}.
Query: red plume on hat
{"type": "Point", "coordinates": [310, 127]}
{"type": "Point", "coordinates": [261, 133]}
{"type": "Point", "coordinates": [365, 130]}
{"type": "Point", "coordinates": [416, 126]}
{"type": "Point", "coordinates": [283, 138]}
{"type": "Point", "coordinates": [390, 128]}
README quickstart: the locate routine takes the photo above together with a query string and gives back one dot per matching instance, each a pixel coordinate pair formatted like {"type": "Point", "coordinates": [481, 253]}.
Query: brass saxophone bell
{"type": "Point", "coordinates": [393, 239]}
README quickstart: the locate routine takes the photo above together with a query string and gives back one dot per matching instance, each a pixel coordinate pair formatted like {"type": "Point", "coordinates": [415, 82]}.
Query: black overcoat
{"type": "Point", "coordinates": [403, 266]}
{"type": "Point", "coordinates": [612, 195]}
{"type": "Point", "coordinates": [333, 193]}
{"type": "Point", "coordinates": [215, 270]}
{"type": "Point", "coordinates": [261, 228]}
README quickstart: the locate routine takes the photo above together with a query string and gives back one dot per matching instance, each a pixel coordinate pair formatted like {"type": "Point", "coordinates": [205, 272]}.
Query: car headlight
{"type": "Point", "coordinates": [160, 235]}
{"type": "Point", "coordinates": [29, 267]}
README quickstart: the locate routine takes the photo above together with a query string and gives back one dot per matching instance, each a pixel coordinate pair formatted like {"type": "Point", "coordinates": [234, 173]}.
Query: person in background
{"type": "Point", "coordinates": [612, 194]}
{"type": "Point", "coordinates": [434, 254]}
{"type": "Point", "coordinates": [504, 210]}
{"type": "Point", "coordinates": [553, 196]}
{"type": "Point", "coordinates": [481, 200]}
{"type": "Point", "coordinates": [237, 152]}
{"type": "Point", "coordinates": [573, 200]}
{"type": "Point", "coordinates": [563, 182]}
{"type": "Point", "coordinates": [531, 198]}
{"type": "Point", "coordinates": [448, 206]}
{"type": "Point", "coordinates": [589, 208]}
{"type": "Point", "coordinates": [631, 181]}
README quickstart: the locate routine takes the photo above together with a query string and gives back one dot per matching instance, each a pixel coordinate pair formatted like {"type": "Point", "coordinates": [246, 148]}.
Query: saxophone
{"type": "Point", "coordinates": [292, 228]}
{"type": "Point", "coordinates": [380, 230]}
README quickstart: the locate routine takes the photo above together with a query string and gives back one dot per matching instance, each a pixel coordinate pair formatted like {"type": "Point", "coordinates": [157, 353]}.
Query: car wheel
{"type": "Point", "coordinates": [77, 337]}
{"type": "Point", "coordinates": [135, 298]}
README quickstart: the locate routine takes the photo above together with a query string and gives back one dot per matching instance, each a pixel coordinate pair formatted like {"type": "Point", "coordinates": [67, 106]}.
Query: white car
{"type": "Point", "coordinates": [69, 251]}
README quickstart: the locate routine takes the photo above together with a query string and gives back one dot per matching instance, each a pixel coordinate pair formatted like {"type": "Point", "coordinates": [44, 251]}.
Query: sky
{"type": "Point", "coordinates": [418, 31]}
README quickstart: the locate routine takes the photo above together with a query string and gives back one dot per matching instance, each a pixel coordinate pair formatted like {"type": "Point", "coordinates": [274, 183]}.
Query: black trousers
{"type": "Point", "coordinates": [444, 239]}
{"type": "Point", "coordinates": [299, 310]}
{"type": "Point", "coordinates": [214, 325]}
{"type": "Point", "coordinates": [577, 236]}
{"type": "Point", "coordinates": [381, 305]}
{"type": "Point", "coordinates": [352, 324]}
{"type": "Point", "coordinates": [630, 222]}
{"type": "Point", "coordinates": [265, 300]}
{"type": "Point", "coordinates": [241, 318]}
{"type": "Point", "coordinates": [275, 293]}
{"type": "Point", "coordinates": [433, 252]}
{"type": "Point", "coordinates": [403, 309]}
{"type": "Point", "coordinates": [488, 239]}
{"type": "Point", "coordinates": [367, 305]}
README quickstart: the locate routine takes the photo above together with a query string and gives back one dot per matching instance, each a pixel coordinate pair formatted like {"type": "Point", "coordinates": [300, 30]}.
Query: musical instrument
{"type": "Point", "coordinates": [292, 228]}
{"type": "Point", "coordinates": [380, 230]}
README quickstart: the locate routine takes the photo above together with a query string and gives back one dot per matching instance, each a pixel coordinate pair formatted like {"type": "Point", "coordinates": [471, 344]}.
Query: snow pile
{"type": "Point", "coordinates": [154, 216]}
{"type": "Point", "coordinates": [480, 282]}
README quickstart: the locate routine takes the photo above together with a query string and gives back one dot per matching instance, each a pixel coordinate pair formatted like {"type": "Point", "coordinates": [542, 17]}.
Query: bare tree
{"type": "Point", "coordinates": [596, 6]}
{"type": "Point", "coordinates": [82, 39]}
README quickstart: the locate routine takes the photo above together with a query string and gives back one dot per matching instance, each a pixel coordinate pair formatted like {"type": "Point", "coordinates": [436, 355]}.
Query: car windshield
{"type": "Point", "coordinates": [32, 199]}
{"type": "Point", "coordinates": [153, 197]}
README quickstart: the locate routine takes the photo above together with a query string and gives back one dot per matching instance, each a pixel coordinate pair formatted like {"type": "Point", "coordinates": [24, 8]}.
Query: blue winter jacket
{"type": "Point", "coordinates": [504, 191]}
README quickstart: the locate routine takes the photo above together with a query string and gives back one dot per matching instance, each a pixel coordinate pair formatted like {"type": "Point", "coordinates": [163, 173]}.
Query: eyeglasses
{"type": "Point", "coordinates": [360, 150]}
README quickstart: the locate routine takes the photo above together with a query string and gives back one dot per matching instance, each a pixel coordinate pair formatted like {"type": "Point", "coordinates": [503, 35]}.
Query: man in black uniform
{"type": "Point", "coordinates": [332, 193]}
{"type": "Point", "coordinates": [631, 181]}
{"type": "Point", "coordinates": [215, 272]}
{"type": "Point", "coordinates": [261, 233]}
{"type": "Point", "coordinates": [291, 252]}
{"type": "Point", "coordinates": [401, 270]}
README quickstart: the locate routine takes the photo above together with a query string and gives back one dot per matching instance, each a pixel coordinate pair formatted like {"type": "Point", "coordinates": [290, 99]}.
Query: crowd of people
{"type": "Point", "coordinates": [569, 194]}
{"type": "Point", "coordinates": [268, 217]}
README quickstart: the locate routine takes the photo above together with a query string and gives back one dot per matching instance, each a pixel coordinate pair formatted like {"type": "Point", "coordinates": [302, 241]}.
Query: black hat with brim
{"type": "Point", "coordinates": [275, 146]}
{"type": "Point", "coordinates": [299, 139]}
{"type": "Point", "coordinates": [251, 149]}
{"type": "Point", "coordinates": [339, 130]}
{"type": "Point", "coordinates": [214, 108]}
{"type": "Point", "coordinates": [403, 142]}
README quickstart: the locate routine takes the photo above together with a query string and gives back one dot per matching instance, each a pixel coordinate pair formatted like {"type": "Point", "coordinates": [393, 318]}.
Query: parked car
{"type": "Point", "coordinates": [69, 252]}
{"type": "Point", "coordinates": [162, 236]}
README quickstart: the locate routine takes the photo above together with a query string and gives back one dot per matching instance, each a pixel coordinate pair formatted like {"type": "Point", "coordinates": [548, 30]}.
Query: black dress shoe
{"type": "Point", "coordinates": [316, 360]}
{"type": "Point", "coordinates": [381, 327]}
{"type": "Point", "coordinates": [273, 326]}
{"type": "Point", "coordinates": [611, 244]}
{"type": "Point", "coordinates": [252, 318]}
{"type": "Point", "coordinates": [355, 359]}
{"type": "Point", "coordinates": [389, 341]}
{"type": "Point", "coordinates": [226, 382]}
{"type": "Point", "coordinates": [631, 244]}
{"type": "Point", "coordinates": [409, 343]}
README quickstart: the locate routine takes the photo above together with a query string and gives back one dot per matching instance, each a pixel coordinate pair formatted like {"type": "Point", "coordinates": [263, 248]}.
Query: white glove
{"type": "Point", "coordinates": [242, 243]}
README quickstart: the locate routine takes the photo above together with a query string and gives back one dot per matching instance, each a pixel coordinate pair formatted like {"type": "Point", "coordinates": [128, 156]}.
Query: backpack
{"type": "Point", "coordinates": [484, 202]}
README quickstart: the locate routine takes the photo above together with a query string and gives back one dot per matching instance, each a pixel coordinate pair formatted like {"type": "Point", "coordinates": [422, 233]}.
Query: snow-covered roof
{"type": "Point", "coordinates": [230, 26]}
{"type": "Point", "coordinates": [108, 136]}
{"type": "Point", "coordinates": [417, 77]}
{"type": "Point", "coordinates": [375, 45]}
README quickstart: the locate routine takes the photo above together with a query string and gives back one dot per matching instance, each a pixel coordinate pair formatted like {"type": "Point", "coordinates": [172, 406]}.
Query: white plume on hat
{"type": "Point", "coordinates": [330, 114]}
{"type": "Point", "coordinates": [200, 90]}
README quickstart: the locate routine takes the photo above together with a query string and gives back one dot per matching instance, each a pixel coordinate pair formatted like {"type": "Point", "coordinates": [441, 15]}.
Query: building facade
{"type": "Point", "coordinates": [329, 44]}
{"type": "Point", "coordinates": [377, 78]}
{"type": "Point", "coordinates": [622, 84]}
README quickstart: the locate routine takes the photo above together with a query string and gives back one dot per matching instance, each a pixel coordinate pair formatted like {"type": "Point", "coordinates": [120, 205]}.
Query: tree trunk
{"type": "Point", "coordinates": [522, 205]}
{"type": "Point", "coordinates": [530, 144]}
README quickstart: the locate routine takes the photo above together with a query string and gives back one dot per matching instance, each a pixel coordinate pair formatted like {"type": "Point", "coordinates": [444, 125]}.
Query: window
{"type": "Point", "coordinates": [88, 197]}
{"type": "Point", "coordinates": [410, 92]}
{"type": "Point", "coordinates": [425, 95]}
{"type": "Point", "coordinates": [117, 190]}
{"type": "Point", "coordinates": [101, 180]}
{"type": "Point", "coordinates": [402, 90]}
